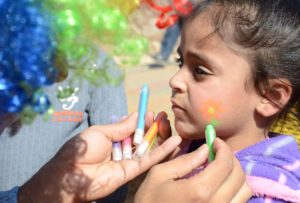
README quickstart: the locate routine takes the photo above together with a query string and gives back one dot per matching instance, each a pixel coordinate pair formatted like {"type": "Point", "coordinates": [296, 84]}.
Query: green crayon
{"type": "Point", "coordinates": [210, 135]}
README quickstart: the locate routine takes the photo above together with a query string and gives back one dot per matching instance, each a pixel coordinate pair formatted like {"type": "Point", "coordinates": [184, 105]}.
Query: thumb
{"type": "Point", "coordinates": [119, 131]}
{"type": "Point", "coordinates": [185, 164]}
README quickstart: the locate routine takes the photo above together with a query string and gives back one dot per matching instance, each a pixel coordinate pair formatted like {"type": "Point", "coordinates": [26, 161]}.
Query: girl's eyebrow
{"type": "Point", "coordinates": [199, 56]}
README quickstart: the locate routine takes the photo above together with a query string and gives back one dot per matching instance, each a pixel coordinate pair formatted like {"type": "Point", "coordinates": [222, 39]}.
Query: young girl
{"type": "Point", "coordinates": [239, 70]}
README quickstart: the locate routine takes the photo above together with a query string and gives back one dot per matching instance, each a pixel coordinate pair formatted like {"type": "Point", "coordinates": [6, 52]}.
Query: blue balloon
{"type": "Point", "coordinates": [12, 99]}
{"type": "Point", "coordinates": [27, 47]}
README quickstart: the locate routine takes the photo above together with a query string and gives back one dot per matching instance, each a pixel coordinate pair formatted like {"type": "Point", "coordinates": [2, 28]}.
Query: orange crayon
{"type": "Point", "coordinates": [142, 148]}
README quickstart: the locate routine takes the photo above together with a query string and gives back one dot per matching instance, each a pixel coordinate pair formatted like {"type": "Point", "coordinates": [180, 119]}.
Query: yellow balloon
{"type": "Point", "coordinates": [125, 6]}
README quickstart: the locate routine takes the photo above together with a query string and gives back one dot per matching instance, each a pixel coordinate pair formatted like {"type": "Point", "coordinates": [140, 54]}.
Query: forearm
{"type": "Point", "coordinates": [49, 184]}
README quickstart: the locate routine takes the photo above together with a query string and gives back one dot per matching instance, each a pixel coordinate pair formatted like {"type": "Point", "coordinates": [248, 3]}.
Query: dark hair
{"type": "Point", "coordinates": [269, 31]}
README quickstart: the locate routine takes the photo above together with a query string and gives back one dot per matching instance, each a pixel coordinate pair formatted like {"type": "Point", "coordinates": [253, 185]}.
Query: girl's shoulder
{"type": "Point", "coordinates": [272, 167]}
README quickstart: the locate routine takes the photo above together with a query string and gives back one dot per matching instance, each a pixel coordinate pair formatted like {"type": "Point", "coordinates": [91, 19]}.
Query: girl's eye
{"type": "Point", "coordinates": [200, 71]}
{"type": "Point", "coordinates": [179, 61]}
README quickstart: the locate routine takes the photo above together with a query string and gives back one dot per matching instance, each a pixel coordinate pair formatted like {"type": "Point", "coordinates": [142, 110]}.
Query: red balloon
{"type": "Point", "coordinates": [163, 9]}
{"type": "Point", "coordinates": [181, 7]}
{"type": "Point", "coordinates": [160, 23]}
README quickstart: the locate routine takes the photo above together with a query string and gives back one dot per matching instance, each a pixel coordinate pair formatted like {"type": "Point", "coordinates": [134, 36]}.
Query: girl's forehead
{"type": "Point", "coordinates": [202, 21]}
{"type": "Point", "coordinates": [200, 39]}
{"type": "Point", "coordinates": [199, 27]}
{"type": "Point", "coordinates": [199, 34]}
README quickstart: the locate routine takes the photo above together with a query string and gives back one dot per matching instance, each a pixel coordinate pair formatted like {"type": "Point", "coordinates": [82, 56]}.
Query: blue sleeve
{"type": "Point", "coordinates": [10, 196]}
{"type": "Point", "coordinates": [107, 100]}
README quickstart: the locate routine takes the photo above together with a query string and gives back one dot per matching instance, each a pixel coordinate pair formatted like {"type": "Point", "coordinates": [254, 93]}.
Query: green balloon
{"type": "Point", "coordinates": [65, 43]}
{"type": "Point", "coordinates": [112, 25]}
{"type": "Point", "coordinates": [60, 4]}
{"type": "Point", "coordinates": [68, 23]}
{"type": "Point", "coordinates": [77, 51]}
{"type": "Point", "coordinates": [96, 20]}
{"type": "Point", "coordinates": [133, 46]}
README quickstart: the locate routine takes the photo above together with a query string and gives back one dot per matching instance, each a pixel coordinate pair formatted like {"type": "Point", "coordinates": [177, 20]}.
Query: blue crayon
{"type": "Point", "coordinates": [139, 132]}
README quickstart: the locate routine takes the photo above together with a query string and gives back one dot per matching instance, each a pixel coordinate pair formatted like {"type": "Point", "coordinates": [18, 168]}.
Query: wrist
{"type": "Point", "coordinates": [47, 185]}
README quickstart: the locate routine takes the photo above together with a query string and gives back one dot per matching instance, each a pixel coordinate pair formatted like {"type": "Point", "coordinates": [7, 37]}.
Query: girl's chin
{"type": "Point", "coordinates": [188, 132]}
{"type": "Point", "coordinates": [188, 135]}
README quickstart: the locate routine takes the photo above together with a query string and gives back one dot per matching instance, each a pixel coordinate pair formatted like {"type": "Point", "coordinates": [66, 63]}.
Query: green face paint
{"type": "Point", "coordinates": [210, 135]}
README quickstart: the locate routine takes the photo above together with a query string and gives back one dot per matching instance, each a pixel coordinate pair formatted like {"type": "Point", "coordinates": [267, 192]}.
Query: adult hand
{"type": "Point", "coordinates": [223, 180]}
{"type": "Point", "coordinates": [83, 169]}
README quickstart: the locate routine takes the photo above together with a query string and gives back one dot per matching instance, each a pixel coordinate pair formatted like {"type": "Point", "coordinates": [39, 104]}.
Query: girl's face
{"type": "Point", "coordinates": [212, 85]}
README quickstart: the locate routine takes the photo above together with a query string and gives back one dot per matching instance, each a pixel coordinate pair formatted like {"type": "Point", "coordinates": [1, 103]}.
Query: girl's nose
{"type": "Point", "coordinates": [177, 82]}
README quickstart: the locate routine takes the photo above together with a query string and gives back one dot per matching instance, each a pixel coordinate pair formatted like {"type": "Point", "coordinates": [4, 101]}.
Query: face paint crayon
{"type": "Point", "coordinates": [210, 135]}
{"type": "Point", "coordinates": [127, 145]}
{"type": "Point", "coordinates": [142, 148]}
{"type": "Point", "coordinates": [139, 132]}
{"type": "Point", "coordinates": [127, 148]}
{"type": "Point", "coordinates": [116, 146]}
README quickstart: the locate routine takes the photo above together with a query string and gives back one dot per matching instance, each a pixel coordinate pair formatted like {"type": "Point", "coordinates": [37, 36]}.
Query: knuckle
{"type": "Point", "coordinates": [229, 163]}
{"type": "Point", "coordinates": [202, 195]}
{"type": "Point", "coordinates": [154, 170]}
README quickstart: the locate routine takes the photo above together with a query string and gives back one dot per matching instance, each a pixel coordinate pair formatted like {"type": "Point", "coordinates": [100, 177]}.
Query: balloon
{"type": "Point", "coordinates": [179, 6]}
{"type": "Point", "coordinates": [114, 25]}
{"type": "Point", "coordinates": [133, 47]}
{"type": "Point", "coordinates": [42, 40]}
{"type": "Point", "coordinates": [26, 53]}
{"type": "Point", "coordinates": [68, 23]}
{"type": "Point", "coordinates": [92, 73]}
{"type": "Point", "coordinates": [126, 7]}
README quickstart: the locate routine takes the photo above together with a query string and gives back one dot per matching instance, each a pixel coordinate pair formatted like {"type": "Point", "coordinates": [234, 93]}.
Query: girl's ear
{"type": "Point", "coordinates": [275, 97]}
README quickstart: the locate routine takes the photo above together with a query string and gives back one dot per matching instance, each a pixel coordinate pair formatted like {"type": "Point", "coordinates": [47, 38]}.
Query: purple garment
{"type": "Point", "coordinates": [276, 159]}
{"type": "Point", "coordinates": [272, 168]}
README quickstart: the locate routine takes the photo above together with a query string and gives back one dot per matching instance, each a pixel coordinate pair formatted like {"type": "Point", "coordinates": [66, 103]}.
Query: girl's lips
{"type": "Point", "coordinates": [176, 107]}
{"type": "Point", "coordinates": [178, 111]}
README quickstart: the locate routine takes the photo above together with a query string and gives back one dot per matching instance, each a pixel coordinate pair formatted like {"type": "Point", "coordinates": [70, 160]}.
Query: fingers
{"type": "Point", "coordinates": [127, 126]}
{"type": "Point", "coordinates": [149, 117]}
{"type": "Point", "coordinates": [244, 194]}
{"type": "Point", "coordinates": [218, 170]}
{"type": "Point", "coordinates": [182, 165]}
{"type": "Point", "coordinates": [148, 160]}
{"type": "Point", "coordinates": [232, 185]}
{"type": "Point", "coordinates": [222, 181]}
{"type": "Point", "coordinates": [119, 131]}
{"type": "Point", "coordinates": [164, 129]}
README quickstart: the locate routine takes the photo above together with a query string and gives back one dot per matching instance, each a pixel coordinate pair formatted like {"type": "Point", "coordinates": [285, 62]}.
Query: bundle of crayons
{"type": "Point", "coordinates": [144, 143]}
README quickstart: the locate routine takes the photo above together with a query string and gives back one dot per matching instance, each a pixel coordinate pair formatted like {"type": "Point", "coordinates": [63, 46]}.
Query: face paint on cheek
{"type": "Point", "coordinates": [211, 111]}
